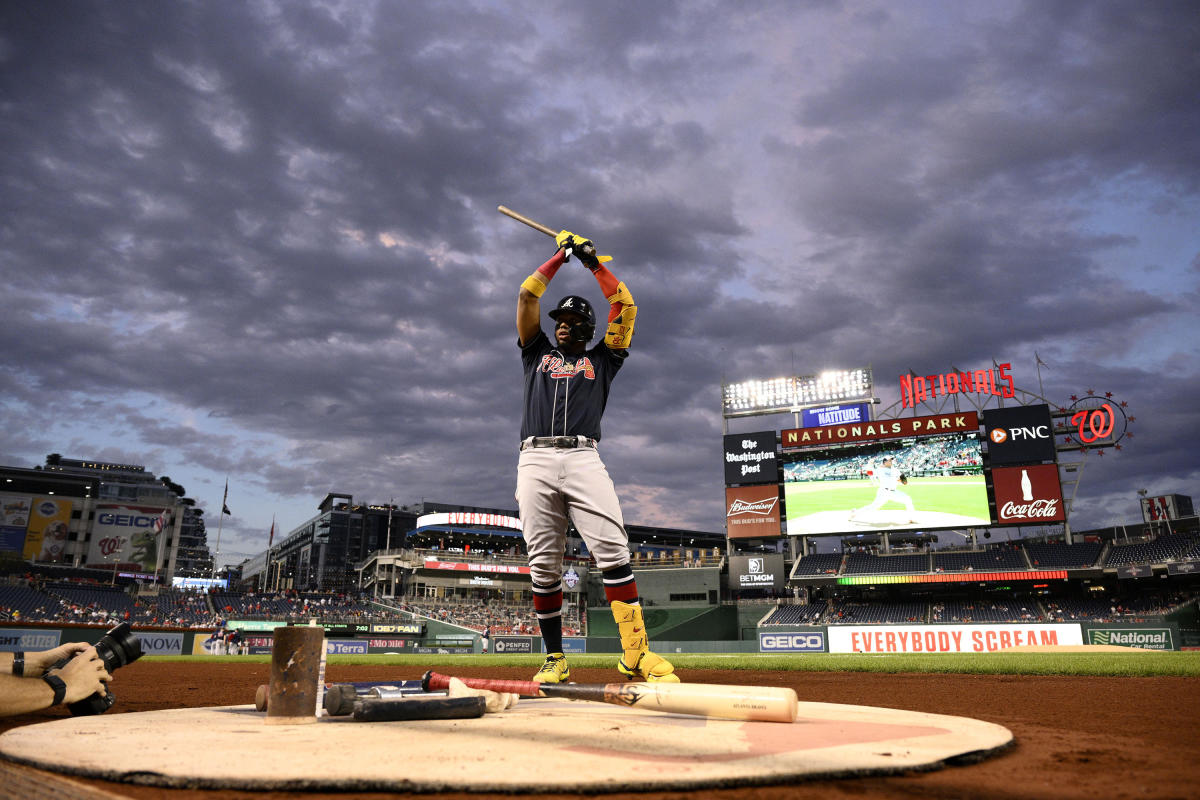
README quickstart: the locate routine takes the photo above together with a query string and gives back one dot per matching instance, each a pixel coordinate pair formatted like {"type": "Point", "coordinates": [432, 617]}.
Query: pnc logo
{"type": "Point", "coordinates": [1022, 434]}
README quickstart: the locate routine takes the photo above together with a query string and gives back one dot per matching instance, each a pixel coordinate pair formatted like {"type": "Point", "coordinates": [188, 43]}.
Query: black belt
{"type": "Point", "coordinates": [561, 442]}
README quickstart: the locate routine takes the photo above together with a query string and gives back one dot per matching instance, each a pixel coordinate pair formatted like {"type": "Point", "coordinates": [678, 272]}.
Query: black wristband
{"type": "Point", "coordinates": [18, 664]}
{"type": "Point", "coordinates": [60, 688]}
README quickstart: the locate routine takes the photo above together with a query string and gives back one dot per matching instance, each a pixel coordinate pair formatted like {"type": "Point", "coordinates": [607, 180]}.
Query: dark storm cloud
{"type": "Point", "coordinates": [277, 220]}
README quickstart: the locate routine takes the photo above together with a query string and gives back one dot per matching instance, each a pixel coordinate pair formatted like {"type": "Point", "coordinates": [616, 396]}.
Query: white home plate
{"type": "Point", "coordinates": [589, 747]}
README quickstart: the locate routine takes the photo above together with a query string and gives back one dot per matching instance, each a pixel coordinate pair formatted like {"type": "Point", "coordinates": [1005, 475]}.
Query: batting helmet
{"type": "Point", "coordinates": [574, 304]}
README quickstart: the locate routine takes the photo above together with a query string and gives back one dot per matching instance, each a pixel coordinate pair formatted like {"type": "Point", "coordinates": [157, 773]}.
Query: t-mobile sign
{"type": "Point", "coordinates": [1026, 495]}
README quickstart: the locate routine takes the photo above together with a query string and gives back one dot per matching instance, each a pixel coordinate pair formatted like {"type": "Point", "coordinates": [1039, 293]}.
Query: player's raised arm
{"type": "Point", "coordinates": [529, 303]}
{"type": "Point", "coordinates": [622, 312]}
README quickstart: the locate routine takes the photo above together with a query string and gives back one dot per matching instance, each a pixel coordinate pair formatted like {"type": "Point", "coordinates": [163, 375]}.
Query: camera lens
{"type": "Point", "coordinates": [118, 647]}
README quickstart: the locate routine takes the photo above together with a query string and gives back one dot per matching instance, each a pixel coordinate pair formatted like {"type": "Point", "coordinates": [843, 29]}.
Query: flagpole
{"type": "Point", "coordinates": [220, 525]}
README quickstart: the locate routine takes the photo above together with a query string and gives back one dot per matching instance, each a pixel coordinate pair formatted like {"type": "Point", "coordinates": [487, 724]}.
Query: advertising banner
{"type": "Point", "coordinates": [18, 640]}
{"type": "Point", "coordinates": [459, 566]}
{"type": "Point", "coordinates": [967, 421]}
{"type": "Point", "coordinates": [752, 511]}
{"type": "Point", "coordinates": [1019, 434]}
{"type": "Point", "coordinates": [14, 519]}
{"type": "Point", "coordinates": [343, 647]}
{"type": "Point", "coordinates": [155, 643]}
{"type": "Point", "coordinates": [1141, 638]}
{"type": "Point", "coordinates": [123, 537]}
{"type": "Point", "coordinates": [834, 415]}
{"type": "Point", "coordinates": [750, 458]}
{"type": "Point", "coordinates": [48, 528]}
{"type": "Point", "coordinates": [1167, 506]}
{"type": "Point", "coordinates": [812, 641]}
{"type": "Point", "coordinates": [764, 571]}
{"type": "Point", "coordinates": [512, 644]}
{"type": "Point", "coordinates": [1028, 495]}
{"type": "Point", "coordinates": [948, 638]}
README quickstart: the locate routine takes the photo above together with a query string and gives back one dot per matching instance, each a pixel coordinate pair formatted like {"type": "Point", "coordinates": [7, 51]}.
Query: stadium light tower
{"type": "Point", "coordinates": [796, 393]}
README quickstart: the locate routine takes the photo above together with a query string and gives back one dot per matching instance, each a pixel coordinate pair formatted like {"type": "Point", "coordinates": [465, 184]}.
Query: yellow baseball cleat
{"type": "Point", "coordinates": [555, 670]}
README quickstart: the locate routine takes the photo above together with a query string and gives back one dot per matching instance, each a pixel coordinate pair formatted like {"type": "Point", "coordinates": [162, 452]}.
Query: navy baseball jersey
{"type": "Point", "coordinates": [565, 395]}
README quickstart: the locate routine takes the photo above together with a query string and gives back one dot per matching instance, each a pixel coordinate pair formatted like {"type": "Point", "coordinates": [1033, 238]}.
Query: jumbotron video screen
{"type": "Point", "coordinates": [903, 484]}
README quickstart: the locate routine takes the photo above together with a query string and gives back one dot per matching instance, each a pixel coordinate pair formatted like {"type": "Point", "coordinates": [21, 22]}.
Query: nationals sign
{"type": "Point", "coordinates": [1028, 495]}
{"type": "Point", "coordinates": [881, 429]}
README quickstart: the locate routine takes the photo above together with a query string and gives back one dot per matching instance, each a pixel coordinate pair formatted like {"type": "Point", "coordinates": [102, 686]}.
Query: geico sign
{"type": "Point", "coordinates": [793, 642]}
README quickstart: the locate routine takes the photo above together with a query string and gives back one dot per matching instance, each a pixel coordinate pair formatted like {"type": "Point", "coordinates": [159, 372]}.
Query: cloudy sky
{"type": "Point", "coordinates": [260, 240]}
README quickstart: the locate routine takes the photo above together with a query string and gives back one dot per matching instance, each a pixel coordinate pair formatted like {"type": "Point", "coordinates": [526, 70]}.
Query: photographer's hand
{"type": "Point", "coordinates": [37, 663]}
{"type": "Point", "coordinates": [84, 675]}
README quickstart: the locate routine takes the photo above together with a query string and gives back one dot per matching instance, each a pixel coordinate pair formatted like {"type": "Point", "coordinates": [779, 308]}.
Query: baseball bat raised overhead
{"type": "Point", "coordinates": [588, 250]}
{"type": "Point", "coordinates": [521, 218]}
{"type": "Point", "coordinates": [756, 703]}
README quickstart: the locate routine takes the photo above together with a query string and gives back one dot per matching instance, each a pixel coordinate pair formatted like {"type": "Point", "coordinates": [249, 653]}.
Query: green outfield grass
{"type": "Point", "coordinates": [965, 495]}
{"type": "Point", "coordinates": [1133, 664]}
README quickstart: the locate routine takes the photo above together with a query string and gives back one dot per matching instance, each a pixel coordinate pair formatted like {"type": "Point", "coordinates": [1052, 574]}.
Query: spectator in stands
{"type": "Point", "coordinates": [26, 685]}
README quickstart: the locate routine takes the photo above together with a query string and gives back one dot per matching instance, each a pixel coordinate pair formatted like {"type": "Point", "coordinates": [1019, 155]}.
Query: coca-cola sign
{"type": "Point", "coordinates": [1028, 495]}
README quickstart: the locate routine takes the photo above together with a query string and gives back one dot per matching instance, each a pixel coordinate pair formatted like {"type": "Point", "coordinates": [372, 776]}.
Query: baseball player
{"type": "Point", "coordinates": [560, 477]}
{"type": "Point", "coordinates": [887, 477]}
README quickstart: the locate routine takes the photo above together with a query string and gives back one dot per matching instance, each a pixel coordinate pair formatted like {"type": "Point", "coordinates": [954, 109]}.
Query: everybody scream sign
{"type": "Point", "coordinates": [948, 638]}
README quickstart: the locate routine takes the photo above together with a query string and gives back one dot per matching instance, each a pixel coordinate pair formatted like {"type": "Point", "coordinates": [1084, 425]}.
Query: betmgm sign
{"type": "Point", "coordinates": [764, 571]}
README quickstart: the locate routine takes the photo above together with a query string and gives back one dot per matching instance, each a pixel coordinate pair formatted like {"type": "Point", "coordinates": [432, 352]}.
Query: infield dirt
{"type": "Point", "coordinates": [1077, 738]}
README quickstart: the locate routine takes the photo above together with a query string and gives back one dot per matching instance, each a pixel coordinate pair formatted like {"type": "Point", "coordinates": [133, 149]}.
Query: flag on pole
{"type": "Point", "coordinates": [160, 521]}
{"type": "Point", "coordinates": [1039, 359]}
{"type": "Point", "coordinates": [271, 538]}
{"type": "Point", "coordinates": [225, 500]}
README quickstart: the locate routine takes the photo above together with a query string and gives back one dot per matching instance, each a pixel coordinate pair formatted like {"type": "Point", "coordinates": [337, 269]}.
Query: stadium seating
{"type": "Point", "coordinates": [1058, 555]}
{"type": "Point", "coordinates": [847, 612]}
{"type": "Point", "coordinates": [985, 611]}
{"type": "Point", "coordinates": [1003, 559]}
{"type": "Point", "coordinates": [1157, 551]}
{"type": "Point", "coordinates": [796, 615]}
{"type": "Point", "coordinates": [867, 564]}
{"type": "Point", "coordinates": [818, 564]}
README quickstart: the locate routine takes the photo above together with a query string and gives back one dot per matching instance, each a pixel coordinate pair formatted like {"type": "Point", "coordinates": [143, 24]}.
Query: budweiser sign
{"type": "Point", "coordinates": [757, 507]}
{"type": "Point", "coordinates": [753, 511]}
{"type": "Point", "coordinates": [1030, 494]}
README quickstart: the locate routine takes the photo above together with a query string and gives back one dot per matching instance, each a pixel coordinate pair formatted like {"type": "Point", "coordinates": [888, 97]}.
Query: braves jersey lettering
{"type": "Point", "coordinates": [565, 395]}
{"type": "Point", "coordinates": [558, 368]}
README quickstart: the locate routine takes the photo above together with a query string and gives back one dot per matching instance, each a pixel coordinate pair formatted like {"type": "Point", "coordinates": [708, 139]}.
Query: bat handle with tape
{"type": "Point", "coordinates": [436, 682]}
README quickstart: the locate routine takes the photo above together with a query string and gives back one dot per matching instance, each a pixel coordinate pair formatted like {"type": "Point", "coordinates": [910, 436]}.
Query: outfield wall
{"type": "Point", "coordinates": [954, 638]}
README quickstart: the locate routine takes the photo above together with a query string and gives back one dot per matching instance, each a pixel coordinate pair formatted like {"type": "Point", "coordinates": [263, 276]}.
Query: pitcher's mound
{"type": "Point", "coordinates": [546, 745]}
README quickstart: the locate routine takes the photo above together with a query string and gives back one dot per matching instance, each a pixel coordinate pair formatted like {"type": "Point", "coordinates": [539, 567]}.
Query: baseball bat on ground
{"type": "Point", "coordinates": [755, 703]}
{"type": "Point", "coordinates": [413, 708]}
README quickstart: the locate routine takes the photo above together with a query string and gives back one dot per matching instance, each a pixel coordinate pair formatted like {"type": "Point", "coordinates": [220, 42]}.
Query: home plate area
{"type": "Point", "coordinates": [540, 745]}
